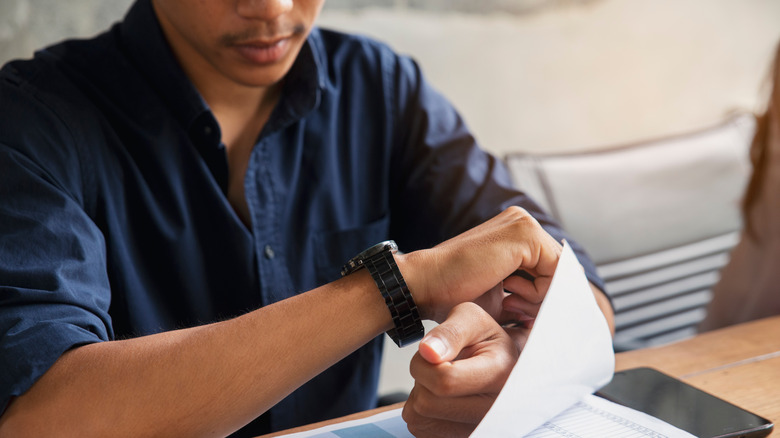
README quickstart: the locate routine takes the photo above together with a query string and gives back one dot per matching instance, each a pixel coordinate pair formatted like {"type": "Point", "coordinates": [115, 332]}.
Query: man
{"type": "Point", "coordinates": [202, 160]}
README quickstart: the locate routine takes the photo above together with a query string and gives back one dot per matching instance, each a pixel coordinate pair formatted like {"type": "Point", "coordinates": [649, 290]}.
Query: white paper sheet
{"type": "Point", "coordinates": [568, 355]}
{"type": "Point", "coordinates": [595, 417]}
{"type": "Point", "coordinates": [592, 417]}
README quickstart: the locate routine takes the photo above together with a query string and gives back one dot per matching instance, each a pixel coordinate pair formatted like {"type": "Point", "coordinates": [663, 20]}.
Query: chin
{"type": "Point", "coordinates": [261, 76]}
{"type": "Point", "coordinates": [259, 79]}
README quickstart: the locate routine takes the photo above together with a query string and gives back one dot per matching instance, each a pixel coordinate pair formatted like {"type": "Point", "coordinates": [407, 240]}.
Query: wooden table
{"type": "Point", "coordinates": [740, 364]}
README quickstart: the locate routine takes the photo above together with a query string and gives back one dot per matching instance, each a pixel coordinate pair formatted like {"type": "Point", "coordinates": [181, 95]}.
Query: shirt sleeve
{"type": "Point", "coordinates": [54, 291]}
{"type": "Point", "coordinates": [449, 184]}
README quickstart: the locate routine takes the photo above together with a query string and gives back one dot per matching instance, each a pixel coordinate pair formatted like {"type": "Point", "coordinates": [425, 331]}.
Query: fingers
{"type": "Point", "coordinates": [466, 326]}
{"type": "Point", "coordinates": [531, 291]}
{"type": "Point", "coordinates": [526, 296]}
{"type": "Point", "coordinates": [492, 301]}
{"type": "Point", "coordinates": [426, 427]}
{"type": "Point", "coordinates": [469, 375]}
{"type": "Point", "coordinates": [429, 416]}
{"type": "Point", "coordinates": [466, 409]}
{"type": "Point", "coordinates": [460, 368]}
{"type": "Point", "coordinates": [520, 309]}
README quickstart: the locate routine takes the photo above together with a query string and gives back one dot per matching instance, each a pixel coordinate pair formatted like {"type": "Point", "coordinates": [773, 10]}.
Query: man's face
{"type": "Point", "coordinates": [248, 42]}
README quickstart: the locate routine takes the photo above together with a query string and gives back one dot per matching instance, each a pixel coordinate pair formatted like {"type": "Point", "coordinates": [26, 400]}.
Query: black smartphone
{"type": "Point", "coordinates": [679, 404]}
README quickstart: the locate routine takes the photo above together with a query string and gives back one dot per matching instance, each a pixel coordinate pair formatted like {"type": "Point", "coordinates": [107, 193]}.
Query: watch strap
{"type": "Point", "coordinates": [408, 326]}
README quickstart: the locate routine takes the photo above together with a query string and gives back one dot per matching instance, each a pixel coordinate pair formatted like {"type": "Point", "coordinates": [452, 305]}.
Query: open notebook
{"type": "Point", "coordinates": [549, 393]}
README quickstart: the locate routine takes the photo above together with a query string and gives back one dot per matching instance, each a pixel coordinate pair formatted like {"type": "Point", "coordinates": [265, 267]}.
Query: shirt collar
{"type": "Point", "coordinates": [146, 45]}
{"type": "Point", "coordinates": [141, 34]}
{"type": "Point", "coordinates": [303, 85]}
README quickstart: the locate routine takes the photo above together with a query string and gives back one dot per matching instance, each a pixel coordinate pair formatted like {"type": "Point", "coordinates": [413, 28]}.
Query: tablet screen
{"type": "Point", "coordinates": [682, 405]}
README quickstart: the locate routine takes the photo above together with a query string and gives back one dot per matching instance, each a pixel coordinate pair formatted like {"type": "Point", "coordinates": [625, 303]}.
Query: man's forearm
{"type": "Point", "coordinates": [201, 381]}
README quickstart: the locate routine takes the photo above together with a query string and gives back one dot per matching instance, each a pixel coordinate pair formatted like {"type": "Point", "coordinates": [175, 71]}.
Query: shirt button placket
{"type": "Point", "coordinates": [263, 209]}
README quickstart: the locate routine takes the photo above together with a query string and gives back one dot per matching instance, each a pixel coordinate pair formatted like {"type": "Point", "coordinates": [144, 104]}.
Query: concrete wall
{"type": "Point", "coordinates": [530, 75]}
{"type": "Point", "coordinates": [589, 74]}
{"type": "Point", "coordinates": [26, 25]}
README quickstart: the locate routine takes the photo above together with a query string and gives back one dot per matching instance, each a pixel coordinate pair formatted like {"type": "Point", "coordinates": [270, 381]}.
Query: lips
{"type": "Point", "coordinates": [263, 53]}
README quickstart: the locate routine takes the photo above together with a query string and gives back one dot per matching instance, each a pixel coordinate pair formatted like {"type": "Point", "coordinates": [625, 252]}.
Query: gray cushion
{"type": "Point", "coordinates": [658, 217]}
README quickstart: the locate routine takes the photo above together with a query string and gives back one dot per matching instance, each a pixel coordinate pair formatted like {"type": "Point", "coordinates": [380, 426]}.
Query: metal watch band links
{"type": "Point", "coordinates": [408, 326]}
{"type": "Point", "coordinates": [380, 263]}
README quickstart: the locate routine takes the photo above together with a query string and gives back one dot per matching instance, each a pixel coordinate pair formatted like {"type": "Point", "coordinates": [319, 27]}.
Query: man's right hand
{"type": "Point", "coordinates": [473, 263]}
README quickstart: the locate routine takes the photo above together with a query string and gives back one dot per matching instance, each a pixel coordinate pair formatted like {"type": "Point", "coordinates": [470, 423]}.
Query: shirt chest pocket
{"type": "Point", "coordinates": [334, 248]}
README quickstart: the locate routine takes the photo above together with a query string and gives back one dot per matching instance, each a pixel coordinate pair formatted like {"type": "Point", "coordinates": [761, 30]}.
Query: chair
{"type": "Point", "coordinates": [659, 219]}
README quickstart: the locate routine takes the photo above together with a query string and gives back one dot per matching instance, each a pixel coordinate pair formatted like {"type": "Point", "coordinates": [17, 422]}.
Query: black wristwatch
{"type": "Point", "coordinates": [381, 264]}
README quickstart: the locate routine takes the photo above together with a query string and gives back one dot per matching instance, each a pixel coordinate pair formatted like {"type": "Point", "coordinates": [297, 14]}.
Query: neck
{"type": "Point", "coordinates": [242, 113]}
{"type": "Point", "coordinates": [225, 97]}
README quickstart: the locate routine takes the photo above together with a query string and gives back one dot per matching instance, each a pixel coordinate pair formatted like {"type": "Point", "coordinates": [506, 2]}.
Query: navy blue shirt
{"type": "Point", "coordinates": [114, 220]}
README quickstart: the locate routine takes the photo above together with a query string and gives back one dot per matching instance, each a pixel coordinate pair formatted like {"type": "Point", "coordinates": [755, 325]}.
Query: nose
{"type": "Point", "coordinates": [263, 9]}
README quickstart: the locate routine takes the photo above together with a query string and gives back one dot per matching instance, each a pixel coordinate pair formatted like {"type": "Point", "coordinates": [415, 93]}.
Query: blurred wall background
{"type": "Point", "coordinates": [530, 75]}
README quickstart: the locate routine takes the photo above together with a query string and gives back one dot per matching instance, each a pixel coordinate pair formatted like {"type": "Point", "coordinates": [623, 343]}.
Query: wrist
{"type": "Point", "coordinates": [375, 303]}
{"type": "Point", "coordinates": [417, 267]}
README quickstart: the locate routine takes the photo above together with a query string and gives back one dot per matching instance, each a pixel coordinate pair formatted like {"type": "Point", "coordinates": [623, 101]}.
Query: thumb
{"type": "Point", "coordinates": [434, 349]}
{"type": "Point", "coordinates": [467, 324]}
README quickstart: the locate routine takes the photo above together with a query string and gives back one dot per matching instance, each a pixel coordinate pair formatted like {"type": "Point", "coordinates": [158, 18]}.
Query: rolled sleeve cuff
{"type": "Point", "coordinates": [27, 354]}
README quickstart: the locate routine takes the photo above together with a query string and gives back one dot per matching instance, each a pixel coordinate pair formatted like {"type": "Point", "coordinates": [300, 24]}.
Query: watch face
{"type": "Point", "coordinates": [357, 262]}
{"type": "Point", "coordinates": [387, 245]}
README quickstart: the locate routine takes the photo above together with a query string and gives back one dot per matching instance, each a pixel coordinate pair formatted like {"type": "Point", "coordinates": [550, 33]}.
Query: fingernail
{"type": "Point", "coordinates": [437, 346]}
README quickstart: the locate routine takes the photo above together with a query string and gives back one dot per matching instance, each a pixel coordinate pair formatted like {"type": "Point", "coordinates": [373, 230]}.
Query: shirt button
{"type": "Point", "coordinates": [269, 252]}
{"type": "Point", "coordinates": [207, 130]}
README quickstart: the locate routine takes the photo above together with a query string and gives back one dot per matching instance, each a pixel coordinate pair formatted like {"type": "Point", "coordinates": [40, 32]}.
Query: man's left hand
{"type": "Point", "coordinates": [460, 368]}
